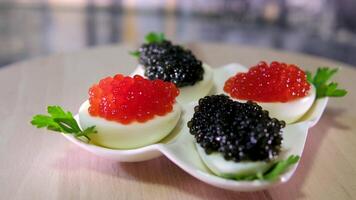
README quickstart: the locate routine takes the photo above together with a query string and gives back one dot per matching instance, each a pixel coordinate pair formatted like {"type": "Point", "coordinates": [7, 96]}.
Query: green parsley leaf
{"type": "Point", "coordinates": [60, 121]}
{"type": "Point", "coordinates": [321, 82]}
{"type": "Point", "coordinates": [153, 37]}
{"type": "Point", "coordinates": [273, 173]}
{"type": "Point", "coordinates": [280, 167]}
{"type": "Point", "coordinates": [135, 54]}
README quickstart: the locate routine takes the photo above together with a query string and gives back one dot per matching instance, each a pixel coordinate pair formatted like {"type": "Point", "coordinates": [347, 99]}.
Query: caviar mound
{"type": "Point", "coordinates": [170, 62]}
{"type": "Point", "coordinates": [240, 131]}
{"type": "Point", "coordinates": [126, 99]}
{"type": "Point", "coordinates": [277, 82]}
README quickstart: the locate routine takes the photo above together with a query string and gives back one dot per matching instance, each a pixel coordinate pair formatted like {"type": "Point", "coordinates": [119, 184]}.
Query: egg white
{"type": "Point", "coordinates": [190, 93]}
{"type": "Point", "coordinates": [114, 135]}
{"type": "Point", "coordinates": [228, 168]}
{"type": "Point", "coordinates": [289, 111]}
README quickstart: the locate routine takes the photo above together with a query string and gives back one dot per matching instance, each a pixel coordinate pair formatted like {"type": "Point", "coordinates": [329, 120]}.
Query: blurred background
{"type": "Point", "coordinates": [33, 28]}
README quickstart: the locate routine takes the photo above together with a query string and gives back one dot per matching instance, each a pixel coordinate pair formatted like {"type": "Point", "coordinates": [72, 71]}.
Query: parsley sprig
{"type": "Point", "coordinates": [273, 173]}
{"type": "Point", "coordinates": [280, 167]}
{"type": "Point", "coordinates": [60, 121]}
{"type": "Point", "coordinates": [153, 37]}
{"type": "Point", "coordinates": [321, 81]}
{"type": "Point", "coordinates": [150, 38]}
{"type": "Point", "coordinates": [135, 54]}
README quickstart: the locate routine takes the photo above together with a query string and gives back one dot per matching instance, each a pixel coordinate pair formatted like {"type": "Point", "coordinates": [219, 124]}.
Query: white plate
{"type": "Point", "coordinates": [179, 145]}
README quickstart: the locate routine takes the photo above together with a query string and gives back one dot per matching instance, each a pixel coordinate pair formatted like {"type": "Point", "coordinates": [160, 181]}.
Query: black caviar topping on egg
{"type": "Point", "coordinates": [240, 131]}
{"type": "Point", "coordinates": [168, 62]}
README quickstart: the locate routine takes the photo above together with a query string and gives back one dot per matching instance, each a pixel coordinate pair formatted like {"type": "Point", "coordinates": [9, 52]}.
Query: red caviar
{"type": "Point", "coordinates": [126, 99]}
{"type": "Point", "coordinates": [277, 82]}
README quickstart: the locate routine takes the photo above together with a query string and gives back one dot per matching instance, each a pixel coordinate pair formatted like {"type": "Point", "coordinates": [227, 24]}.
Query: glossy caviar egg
{"type": "Point", "coordinates": [235, 138]}
{"type": "Point", "coordinates": [277, 82]}
{"type": "Point", "coordinates": [130, 112]}
{"type": "Point", "coordinates": [280, 88]}
{"type": "Point", "coordinates": [169, 62]}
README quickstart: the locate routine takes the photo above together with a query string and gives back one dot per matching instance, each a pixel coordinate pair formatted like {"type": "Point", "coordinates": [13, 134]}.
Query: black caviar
{"type": "Point", "coordinates": [240, 131]}
{"type": "Point", "coordinates": [168, 62]}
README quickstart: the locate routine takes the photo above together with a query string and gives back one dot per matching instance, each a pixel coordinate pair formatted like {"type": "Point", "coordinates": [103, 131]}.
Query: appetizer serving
{"type": "Point", "coordinates": [238, 140]}
{"type": "Point", "coordinates": [282, 89]}
{"type": "Point", "coordinates": [160, 59]}
{"type": "Point", "coordinates": [241, 138]}
{"type": "Point", "coordinates": [129, 112]}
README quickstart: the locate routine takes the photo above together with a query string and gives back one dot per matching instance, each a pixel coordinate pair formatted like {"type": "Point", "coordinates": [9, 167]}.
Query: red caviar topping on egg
{"type": "Point", "coordinates": [277, 82]}
{"type": "Point", "coordinates": [126, 99]}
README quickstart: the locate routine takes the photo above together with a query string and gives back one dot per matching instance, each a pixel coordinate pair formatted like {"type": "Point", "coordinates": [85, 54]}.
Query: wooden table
{"type": "Point", "coordinates": [37, 164]}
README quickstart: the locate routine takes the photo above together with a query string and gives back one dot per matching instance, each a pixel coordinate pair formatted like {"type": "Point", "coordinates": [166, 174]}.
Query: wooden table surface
{"type": "Point", "coordinates": [38, 164]}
